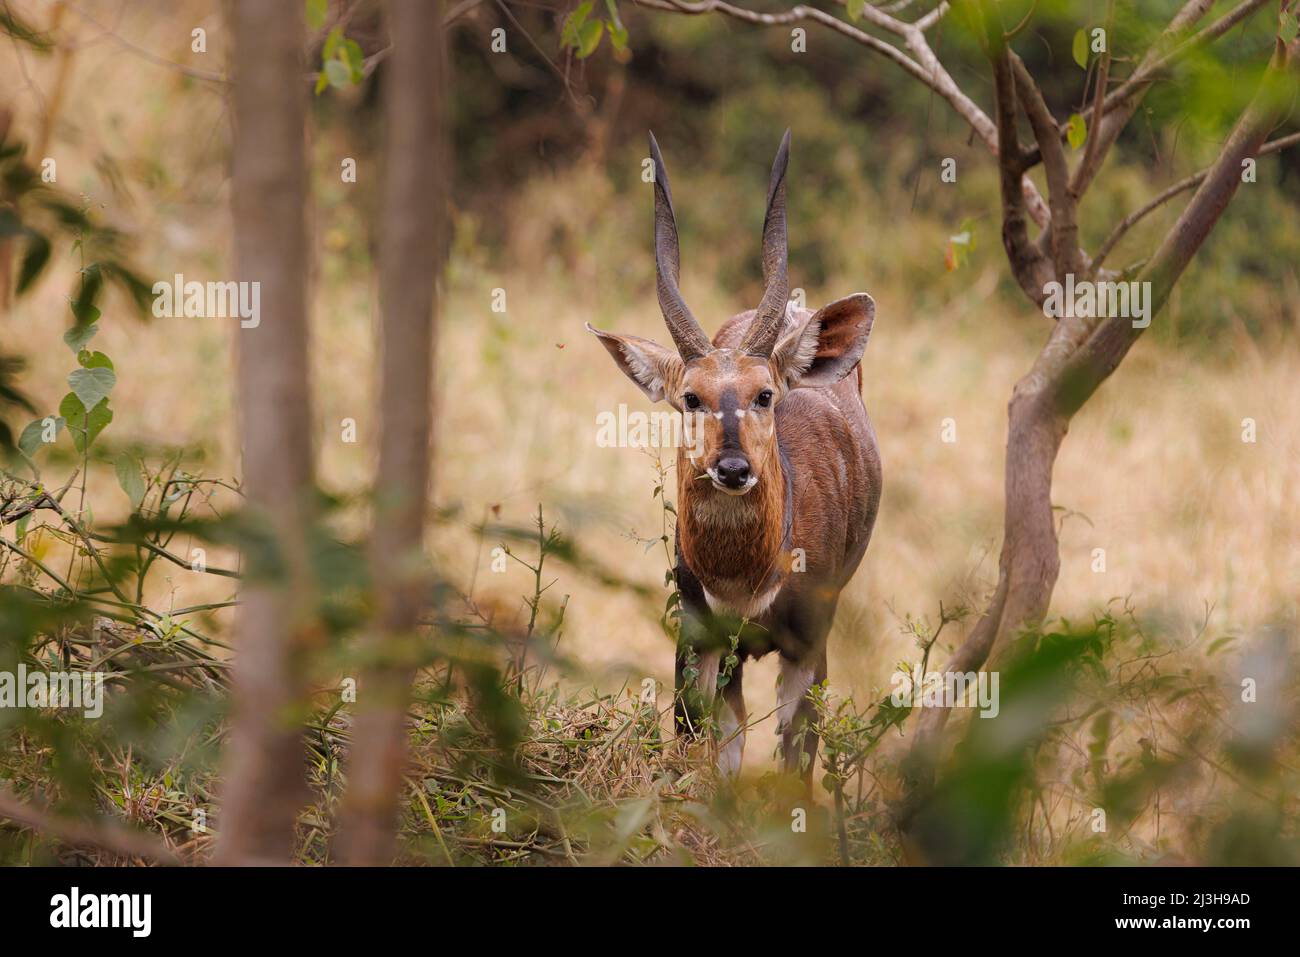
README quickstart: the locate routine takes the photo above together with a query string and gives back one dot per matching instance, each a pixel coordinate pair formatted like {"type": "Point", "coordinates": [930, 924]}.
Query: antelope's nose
{"type": "Point", "coordinates": [733, 471]}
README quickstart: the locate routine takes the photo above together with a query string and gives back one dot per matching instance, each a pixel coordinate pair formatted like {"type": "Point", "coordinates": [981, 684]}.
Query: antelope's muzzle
{"type": "Point", "coordinates": [732, 474]}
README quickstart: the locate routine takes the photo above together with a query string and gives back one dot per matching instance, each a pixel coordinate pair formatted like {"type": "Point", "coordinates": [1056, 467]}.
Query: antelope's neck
{"type": "Point", "coordinates": [737, 545]}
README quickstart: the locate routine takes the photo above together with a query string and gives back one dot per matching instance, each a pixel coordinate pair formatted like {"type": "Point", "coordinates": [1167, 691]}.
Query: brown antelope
{"type": "Point", "coordinates": [777, 495]}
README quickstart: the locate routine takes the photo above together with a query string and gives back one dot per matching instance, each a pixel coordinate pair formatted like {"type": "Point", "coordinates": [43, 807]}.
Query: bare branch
{"type": "Point", "coordinates": [1091, 157]}
{"type": "Point", "coordinates": [1108, 345]}
{"type": "Point", "coordinates": [105, 836]}
{"type": "Point", "coordinates": [799, 14]}
{"type": "Point", "coordinates": [1028, 264]}
{"type": "Point", "coordinates": [1155, 63]}
{"type": "Point", "coordinates": [1062, 235]}
{"type": "Point", "coordinates": [154, 58]}
{"type": "Point", "coordinates": [923, 65]}
{"type": "Point", "coordinates": [1121, 103]}
{"type": "Point", "coordinates": [1182, 186]}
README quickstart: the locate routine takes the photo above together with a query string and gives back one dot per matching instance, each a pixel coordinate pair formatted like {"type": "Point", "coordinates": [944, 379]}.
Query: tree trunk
{"type": "Point", "coordinates": [411, 254]}
{"type": "Point", "coordinates": [264, 775]}
{"type": "Point", "coordinates": [1079, 356]}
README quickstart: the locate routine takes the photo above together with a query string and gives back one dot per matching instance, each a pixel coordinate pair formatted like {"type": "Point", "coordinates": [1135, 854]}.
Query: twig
{"type": "Point", "coordinates": [107, 835]}
{"type": "Point", "coordinates": [1182, 186]}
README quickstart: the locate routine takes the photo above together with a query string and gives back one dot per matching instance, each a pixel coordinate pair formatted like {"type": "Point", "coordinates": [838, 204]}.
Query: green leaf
{"type": "Point", "coordinates": [1076, 131]}
{"type": "Point", "coordinates": [83, 306]}
{"type": "Point", "coordinates": [33, 436]}
{"type": "Point", "coordinates": [322, 81]}
{"type": "Point", "coordinates": [1080, 48]}
{"type": "Point", "coordinates": [331, 44]}
{"type": "Point", "coordinates": [355, 60]}
{"type": "Point", "coordinates": [589, 35]}
{"type": "Point", "coordinates": [34, 260]}
{"type": "Point", "coordinates": [1217, 645]}
{"type": "Point", "coordinates": [78, 336]}
{"type": "Point", "coordinates": [131, 480]}
{"type": "Point", "coordinates": [94, 360]}
{"type": "Point", "coordinates": [1289, 28]}
{"type": "Point", "coordinates": [338, 74]}
{"type": "Point", "coordinates": [316, 13]}
{"type": "Point", "coordinates": [854, 9]}
{"type": "Point", "coordinates": [84, 428]}
{"type": "Point", "coordinates": [569, 33]}
{"type": "Point", "coordinates": [92, 385]}
{"type": "Point", "coordinates": [617, 32]}
{"type": "Point", "coordinates": [87, 313]}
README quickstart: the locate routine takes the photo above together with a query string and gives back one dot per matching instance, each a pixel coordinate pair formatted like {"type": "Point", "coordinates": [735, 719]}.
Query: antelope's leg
{"type": "Point", "coordinates": [732, 720]}
{"type": "Point", "coordinates": [696, 677]}
{"type": "Point", "coordinates": [795, 713]}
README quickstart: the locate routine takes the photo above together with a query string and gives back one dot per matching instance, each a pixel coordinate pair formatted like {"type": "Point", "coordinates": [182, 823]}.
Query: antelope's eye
{"type": "Point", "coordinates": [764, 399]}
{"type": "Point", "coordinates": [692, 400]}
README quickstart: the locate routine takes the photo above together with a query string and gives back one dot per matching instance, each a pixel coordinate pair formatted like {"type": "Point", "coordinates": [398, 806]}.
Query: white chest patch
{"type": "Point", "coordinates": [747, 606]}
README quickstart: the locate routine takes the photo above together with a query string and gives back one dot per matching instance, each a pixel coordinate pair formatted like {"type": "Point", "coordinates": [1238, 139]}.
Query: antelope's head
{"type": "Point", "coordinates": [729, 395]}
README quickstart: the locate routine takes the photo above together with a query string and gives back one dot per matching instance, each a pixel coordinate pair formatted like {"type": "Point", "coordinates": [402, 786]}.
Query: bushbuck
{"type": "Point", "coordinates": [777, 488]}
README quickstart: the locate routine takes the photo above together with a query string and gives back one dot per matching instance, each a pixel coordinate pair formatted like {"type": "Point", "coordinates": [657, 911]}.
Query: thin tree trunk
{"type": "Point", "coordinates": [1079, 356]}
{"type": "Point", "coordinates": [264, 775]}
{"type": "Point", "coordinates": [411, 252]}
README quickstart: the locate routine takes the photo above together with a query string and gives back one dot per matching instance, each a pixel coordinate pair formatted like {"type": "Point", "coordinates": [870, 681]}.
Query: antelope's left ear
{"type": "Point", "coordinates": [651, 366]}
{"type": "Point", "coordinates": [825, 349]}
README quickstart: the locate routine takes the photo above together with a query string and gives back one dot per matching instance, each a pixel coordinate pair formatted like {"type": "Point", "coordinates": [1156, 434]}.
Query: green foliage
{"type": "Point", "coordinates": [1079, 48]}
{"type": "Point", "coordinates": [867, 148]}
{"type": "Point", "coordinates": [13, 26]}
{"type": "Point", "coordinates": [342, 62]}
{"type": "Point", "coordinates": [1076, 130]}
{"type": "Point", "coordinates": [581, 34]}
{"type": "Point", "coordinates": [10, 396]}
{"type": "Point", "coordinates": [316, 11]}
{"type": "Point", "coordinates": [37, 213]}
{"type": "Point", "coordinates": [960, 245]}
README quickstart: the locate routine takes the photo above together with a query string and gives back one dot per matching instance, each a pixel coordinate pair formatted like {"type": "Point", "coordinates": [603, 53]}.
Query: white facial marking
{"type": "Point", "coordinates": [717, 415]}
{"type": "Point", "coordinates": [740, 413]}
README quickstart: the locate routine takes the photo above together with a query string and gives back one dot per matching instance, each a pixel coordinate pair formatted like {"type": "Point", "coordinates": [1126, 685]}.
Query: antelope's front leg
{"type": "Point", "coordinates": [796, 714]}
{"type": "Point", "coordinates": [696, 675]}
{"type": "Point", "coordinates": [732, 724]}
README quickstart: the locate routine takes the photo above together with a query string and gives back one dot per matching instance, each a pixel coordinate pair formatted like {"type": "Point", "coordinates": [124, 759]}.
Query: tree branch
{"type": "Point", "coordinates": [1062, 235]}
{"type": "Point", "coordinates": [1108, 345]}
{"type": "Point", "coordinates": [1120, 104]}
{"type": "Point", "coordinates": [1182, 186]}
{"type": "Point", "coordinates": [1091, 156]}
{"type": "Point", "coordinates": [923, 65]}
{"type": "Point", "coordinates": [106, 836]}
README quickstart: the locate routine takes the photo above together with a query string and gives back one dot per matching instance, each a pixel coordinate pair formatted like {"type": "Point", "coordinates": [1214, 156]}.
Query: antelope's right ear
{"type": "Point", "coordinates": [829, 344]}
{"type": "Point", "coordinates": [655, 369]}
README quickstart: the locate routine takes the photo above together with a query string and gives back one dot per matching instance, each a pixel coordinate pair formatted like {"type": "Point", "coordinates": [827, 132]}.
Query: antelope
{"type": "Point", "coordinates": [777, 494]}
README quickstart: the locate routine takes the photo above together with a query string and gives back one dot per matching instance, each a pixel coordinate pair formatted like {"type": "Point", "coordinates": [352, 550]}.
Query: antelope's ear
{"type": "Point", "coordinates": [825, 348]}
{"type": "Point", "coordinates": [648, 364]}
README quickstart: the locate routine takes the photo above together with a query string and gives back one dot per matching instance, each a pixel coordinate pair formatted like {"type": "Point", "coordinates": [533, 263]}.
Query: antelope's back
{"type": "Point", "coordinates": [831, 454]}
